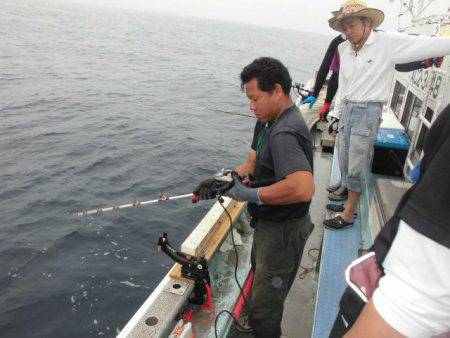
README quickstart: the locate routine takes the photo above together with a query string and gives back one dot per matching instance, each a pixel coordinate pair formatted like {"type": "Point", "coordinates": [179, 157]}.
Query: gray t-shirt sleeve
{"type": "Point", "coordinates": [288, 154]}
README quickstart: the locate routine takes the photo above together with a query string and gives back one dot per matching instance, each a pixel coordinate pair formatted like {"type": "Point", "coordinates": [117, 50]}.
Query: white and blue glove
{"type": "Point", "coordinates": [240, 192]}
{"type": "Point", "coordinates": [311, 100]}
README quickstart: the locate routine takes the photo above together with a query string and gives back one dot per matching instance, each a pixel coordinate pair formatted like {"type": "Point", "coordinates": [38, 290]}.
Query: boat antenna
{"type": "Point", "coordinates": [135, 203]}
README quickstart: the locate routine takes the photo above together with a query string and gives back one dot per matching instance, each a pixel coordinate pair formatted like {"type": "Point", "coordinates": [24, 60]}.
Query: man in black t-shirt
{"type": "Point", "coordinates": [281, 152]}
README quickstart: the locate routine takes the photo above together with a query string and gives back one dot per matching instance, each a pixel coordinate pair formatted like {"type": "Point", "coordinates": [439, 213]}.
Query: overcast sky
{"type": "Point", "coordinates": [304, 15]}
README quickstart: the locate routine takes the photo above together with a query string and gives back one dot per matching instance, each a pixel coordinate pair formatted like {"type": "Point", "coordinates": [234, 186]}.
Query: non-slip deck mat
{"type": "Point", "coordinates": [340, 248]}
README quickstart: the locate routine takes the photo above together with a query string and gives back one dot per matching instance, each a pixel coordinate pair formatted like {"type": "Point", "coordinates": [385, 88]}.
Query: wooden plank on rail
{"type": "Point", "coordinates": [212, 241]}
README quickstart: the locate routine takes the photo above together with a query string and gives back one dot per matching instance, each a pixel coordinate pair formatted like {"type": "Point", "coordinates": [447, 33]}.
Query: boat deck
{"type": "Point", "coordinates": [298, 318]}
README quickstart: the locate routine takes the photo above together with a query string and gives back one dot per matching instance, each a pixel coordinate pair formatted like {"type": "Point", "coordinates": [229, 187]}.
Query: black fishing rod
{"type": "Point", "coordinates": [301, 91]}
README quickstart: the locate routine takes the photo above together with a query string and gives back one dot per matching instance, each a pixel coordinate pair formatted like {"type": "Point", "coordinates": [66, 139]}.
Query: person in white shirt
{"type": "Point", "coordinates": [368, 59]}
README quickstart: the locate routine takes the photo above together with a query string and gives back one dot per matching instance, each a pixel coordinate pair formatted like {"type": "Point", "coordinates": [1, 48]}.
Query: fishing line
{"type": "Point", "coordinates": [231, 113]}
{"type": "Point", "coordinates": [220, 199]}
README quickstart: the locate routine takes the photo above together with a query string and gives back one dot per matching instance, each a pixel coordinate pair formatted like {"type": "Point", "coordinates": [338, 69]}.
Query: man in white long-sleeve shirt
{"type": "Point", "coordinates": [368, 58]}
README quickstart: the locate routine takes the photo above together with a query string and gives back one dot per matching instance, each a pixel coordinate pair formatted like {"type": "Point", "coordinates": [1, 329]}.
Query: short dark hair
{"type": "Point", "coordinates": [268, 71]}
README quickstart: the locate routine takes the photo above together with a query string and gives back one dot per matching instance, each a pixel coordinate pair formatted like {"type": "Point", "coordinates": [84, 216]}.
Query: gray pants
{"type": "Point", "coordinates": [276, 254]}
{"type": "Point", "coordinates": [358, 129]}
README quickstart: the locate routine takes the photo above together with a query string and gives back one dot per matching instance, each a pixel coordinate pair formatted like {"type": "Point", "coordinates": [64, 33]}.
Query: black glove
{"type": "Point", "coordinates": [333, 127]}
{"type": "Point", "coordinates": [437, 62]}
{"type": "Point", "coordinates": [210, 188]}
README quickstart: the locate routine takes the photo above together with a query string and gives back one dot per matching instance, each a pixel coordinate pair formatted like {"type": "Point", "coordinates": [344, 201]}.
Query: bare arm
{"type": "Point", "coordinates": [249, 165]}
{"type": "Point", "coordinates": [371, 325]}
{"type": "Point", "coordinates": [295, 188]}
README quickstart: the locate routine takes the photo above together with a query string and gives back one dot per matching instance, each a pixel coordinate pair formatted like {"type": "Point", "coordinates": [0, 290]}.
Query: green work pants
{"type": "Point", "coordinates": [276, 254]}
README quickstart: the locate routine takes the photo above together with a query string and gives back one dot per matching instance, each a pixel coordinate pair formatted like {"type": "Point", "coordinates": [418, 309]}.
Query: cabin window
{"type": "Point", "coordinates": [414, 119]}
{"type": "Point", "coordinates": [398, 97]}
{"type": "Point", "coordinates": [410, 117]}
{"type": "Point", "coordinates": [407, 110]}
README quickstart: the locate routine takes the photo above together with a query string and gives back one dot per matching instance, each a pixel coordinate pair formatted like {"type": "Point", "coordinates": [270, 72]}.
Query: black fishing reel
{"type": "Point", "coordinates": [301, 91]}
{"type": "Point", "coordinates": [192, 268]}
{"type": "Point", "coordinates": [226, 176]}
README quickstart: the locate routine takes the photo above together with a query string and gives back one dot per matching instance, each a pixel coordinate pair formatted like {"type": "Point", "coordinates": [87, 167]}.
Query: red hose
{"type": "Point", "coordinates": [240, 303]}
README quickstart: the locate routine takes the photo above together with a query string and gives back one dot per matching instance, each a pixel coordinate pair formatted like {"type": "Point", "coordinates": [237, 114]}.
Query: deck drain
{"type": "Point", "coordinates": [176, 288]}
{"type": "Point", "coordinates": [151, 321]}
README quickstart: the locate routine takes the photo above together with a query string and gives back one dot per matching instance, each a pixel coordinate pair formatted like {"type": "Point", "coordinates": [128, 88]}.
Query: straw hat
{"type": "Point", "coordinates": [355, 8]}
